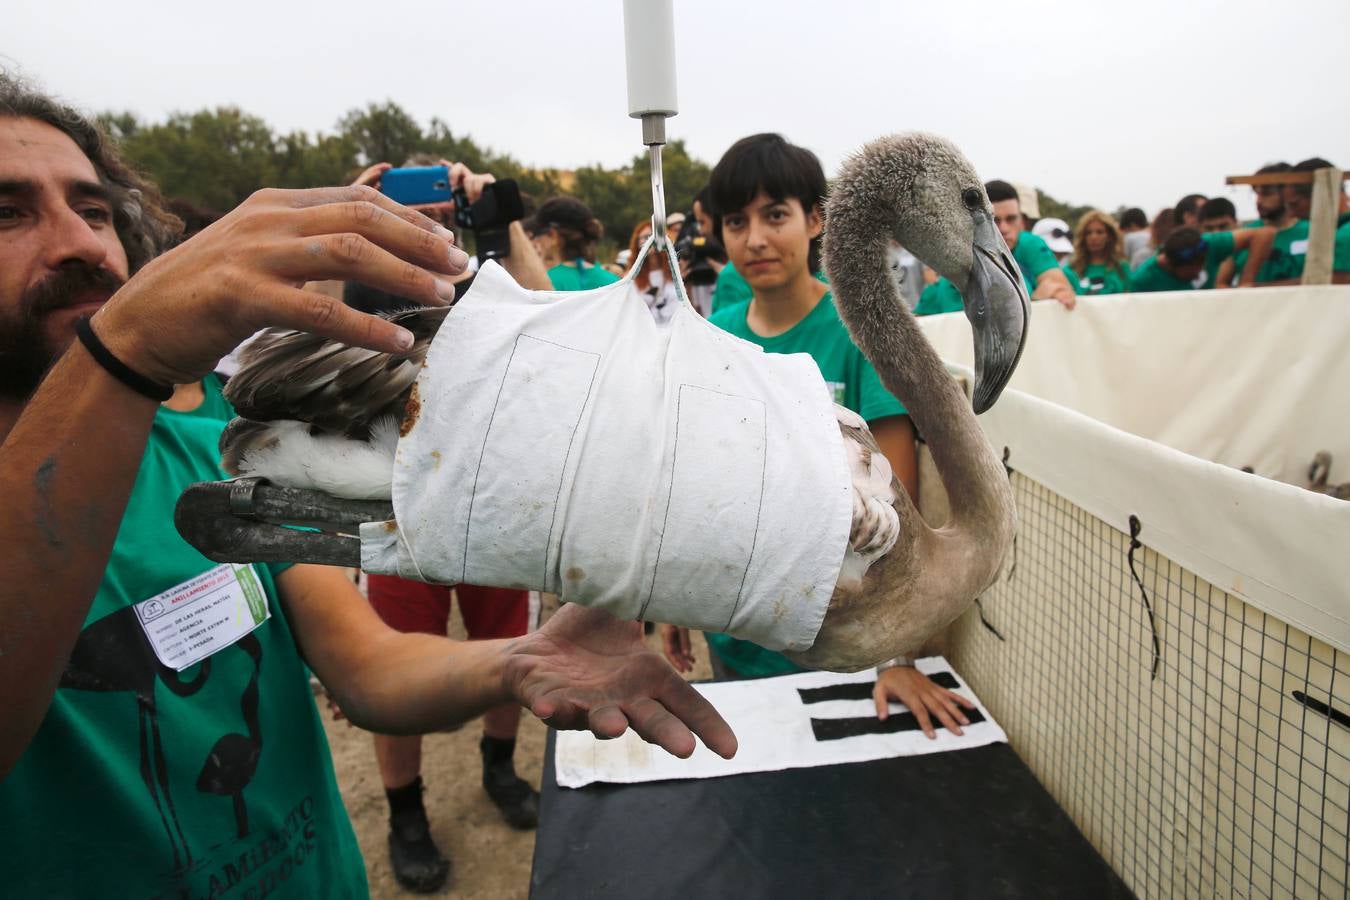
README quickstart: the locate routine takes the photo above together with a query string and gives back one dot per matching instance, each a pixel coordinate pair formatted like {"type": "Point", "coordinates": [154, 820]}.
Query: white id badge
{"type": "Point", "coordinates": [1298, 248]}
{"type": "Point", "coordinates": [203, 615]}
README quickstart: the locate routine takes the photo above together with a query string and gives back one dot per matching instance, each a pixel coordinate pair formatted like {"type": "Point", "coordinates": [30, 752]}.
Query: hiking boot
{"type": "Point", "coordinates": [418, 863]}
{"type": "Point", "coordinates": [512, 795]}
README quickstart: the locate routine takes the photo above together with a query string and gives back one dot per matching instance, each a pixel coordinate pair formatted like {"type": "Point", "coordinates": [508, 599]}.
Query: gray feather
{"type": "Point", "coordinates": [293, 375]}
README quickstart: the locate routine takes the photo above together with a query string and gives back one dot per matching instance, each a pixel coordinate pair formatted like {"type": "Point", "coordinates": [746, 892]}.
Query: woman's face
{"type": "Point", "coordinates": [643, 235]}
{"type": "Point", "coordinates": [1095, 237]}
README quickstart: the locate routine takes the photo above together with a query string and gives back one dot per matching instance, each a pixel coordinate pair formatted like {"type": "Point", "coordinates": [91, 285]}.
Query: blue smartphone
{"type": "Point", "coordinates": [417, 185]}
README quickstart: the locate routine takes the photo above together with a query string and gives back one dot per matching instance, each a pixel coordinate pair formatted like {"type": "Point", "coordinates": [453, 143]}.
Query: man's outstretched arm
{"type": "Point", "coordinates": [584, 669]}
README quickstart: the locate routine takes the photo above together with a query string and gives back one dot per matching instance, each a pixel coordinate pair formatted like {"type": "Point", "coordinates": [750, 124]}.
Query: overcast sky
{"type": "Point", "coordinates": [1095, 102]}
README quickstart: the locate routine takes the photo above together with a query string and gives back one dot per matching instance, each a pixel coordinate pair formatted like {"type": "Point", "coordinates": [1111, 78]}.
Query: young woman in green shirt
{"type": "Point", "coordinates": [1098, 262]}
{"type": "Point", "coordinates": [567, 227]}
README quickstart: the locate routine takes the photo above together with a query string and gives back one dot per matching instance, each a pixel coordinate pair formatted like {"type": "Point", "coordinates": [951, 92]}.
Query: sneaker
{"type": "Point", "coordinates": [418, 863]}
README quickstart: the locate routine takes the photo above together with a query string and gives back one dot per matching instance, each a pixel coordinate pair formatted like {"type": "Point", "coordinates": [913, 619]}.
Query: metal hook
{"type": "Point", "coordinates": [658, 200]}
{"type": "Point", "coordinates": [654, 136]}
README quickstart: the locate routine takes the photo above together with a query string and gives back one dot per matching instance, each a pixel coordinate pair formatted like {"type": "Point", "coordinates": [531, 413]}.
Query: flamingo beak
{"type": "Point", "coordinates": [999, 309]}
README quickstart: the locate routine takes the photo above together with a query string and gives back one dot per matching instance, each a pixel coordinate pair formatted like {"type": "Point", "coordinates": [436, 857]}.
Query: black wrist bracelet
{"type": "Point", "coordinates": [118, 369]}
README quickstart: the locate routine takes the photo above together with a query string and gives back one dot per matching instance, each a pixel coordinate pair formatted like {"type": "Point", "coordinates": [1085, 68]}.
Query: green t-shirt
{"type": "Point", "coordinates": [1287, 254]}
{"type": "Point", "coordinates": [1340, 261]}
{"type": "Point", "coordinates": [214, 405]}
{"type": "Point", "coordinates": [855, 385]}
{"type": "Point", "coordinates": [939, 297]}
{"type": "Point", "coordinates": [1098, 279]}
{"type": "Point", "coordinates": [1153, 277]}
{"type": "Point", "coordinates": [1240, 256]}
{"type": "Point", "coordinates": [144, 782]}
{"type": "Point", "coordinates": [732, 288]}
{"type": "Point", "coordinates": [1034, 257]}
{"type": "Point", "coordinates": [581, 277]}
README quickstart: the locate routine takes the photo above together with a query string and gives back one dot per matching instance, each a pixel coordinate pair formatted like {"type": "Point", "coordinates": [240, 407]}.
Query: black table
{"type": "Point", "coordinates": [968, 823]}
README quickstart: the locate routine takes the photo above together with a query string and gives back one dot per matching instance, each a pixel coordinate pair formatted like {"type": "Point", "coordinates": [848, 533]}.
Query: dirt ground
{"type": "Point", "coordinates": [490, 861]}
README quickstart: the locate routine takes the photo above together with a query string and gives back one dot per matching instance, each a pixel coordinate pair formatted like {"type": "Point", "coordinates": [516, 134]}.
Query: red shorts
{"type": "Point", "coordinates": [412, 606]}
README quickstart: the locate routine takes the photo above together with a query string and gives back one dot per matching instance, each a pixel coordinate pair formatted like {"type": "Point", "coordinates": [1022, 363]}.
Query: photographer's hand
{"type": "Point", "coordinates": [185, 310]}
{"type": "Point", "coordinates": [461, 176]}
{"type": "Point", "coordinates": [371, 176]}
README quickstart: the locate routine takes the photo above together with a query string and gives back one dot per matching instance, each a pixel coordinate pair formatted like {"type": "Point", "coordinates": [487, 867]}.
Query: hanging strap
{"type": "Point", "coordinates": [673, 264]}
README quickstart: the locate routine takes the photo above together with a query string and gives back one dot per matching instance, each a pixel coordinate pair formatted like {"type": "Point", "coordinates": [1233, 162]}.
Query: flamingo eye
{"type": "Point", "coordinates": [971, 198]}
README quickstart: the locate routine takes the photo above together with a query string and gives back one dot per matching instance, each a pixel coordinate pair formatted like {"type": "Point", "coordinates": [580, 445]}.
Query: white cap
{"type": "Point", "coordinates": [1028, 199]}
{"type": "Point", "coordinates": [1056, 234]}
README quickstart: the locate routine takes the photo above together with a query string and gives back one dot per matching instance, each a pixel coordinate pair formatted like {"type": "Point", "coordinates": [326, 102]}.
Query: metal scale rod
{"type": "Point", "coordinates": [649, 52]}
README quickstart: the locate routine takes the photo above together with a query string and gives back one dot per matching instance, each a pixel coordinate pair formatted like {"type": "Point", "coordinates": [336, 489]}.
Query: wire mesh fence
{"type": "Point", "coordinates": [1200, 744]}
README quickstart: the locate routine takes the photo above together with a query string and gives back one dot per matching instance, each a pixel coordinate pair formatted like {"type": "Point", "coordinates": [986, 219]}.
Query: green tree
{"type": "Point", "coordinates": [382, 132]}
{"type": "Point", "coordinates": [326, 160]}
{"type": "Point", "coordinates": [216, 158]}
{"type": "Point", "coordinates": [1058, 209]}
{"type": "Point", "coordinates": [213, 158]}
{"type": "Point", "coordinates": [621, 198]}
{"type": "Point", "coordinates": [120, 125]}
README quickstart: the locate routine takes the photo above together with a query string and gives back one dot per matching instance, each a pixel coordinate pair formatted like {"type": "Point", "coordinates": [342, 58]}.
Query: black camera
{"type": "Point", "coordinates": [490, 217]}
{"type": "Point", "coordinates": [697, 250]}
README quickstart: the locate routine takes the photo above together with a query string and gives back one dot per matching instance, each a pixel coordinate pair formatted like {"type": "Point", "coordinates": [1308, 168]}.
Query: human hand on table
{"type": "Point", "coordinates": [182, 312]}
{"type": "Point", "coordinates": [585, 669]}
{"type": "Point", "coordinates": [678, 648]}
{"type": "Point", "coordinates": [922, 697]}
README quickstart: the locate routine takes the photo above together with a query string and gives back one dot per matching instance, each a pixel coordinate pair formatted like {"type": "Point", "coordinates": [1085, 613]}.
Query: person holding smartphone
{"type": "Point", "coordinates": [522, 263]}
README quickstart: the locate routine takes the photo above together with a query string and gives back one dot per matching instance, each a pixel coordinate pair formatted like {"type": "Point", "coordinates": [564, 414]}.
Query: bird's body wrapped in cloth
{"type": "Point", "coordinates": [565, 442]}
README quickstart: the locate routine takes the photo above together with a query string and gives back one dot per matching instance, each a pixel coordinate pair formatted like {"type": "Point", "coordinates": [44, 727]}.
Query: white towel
{"type": "Point", "coordinates": [567, 443]}
{"type": "Point", "coordinates": [787, 722]}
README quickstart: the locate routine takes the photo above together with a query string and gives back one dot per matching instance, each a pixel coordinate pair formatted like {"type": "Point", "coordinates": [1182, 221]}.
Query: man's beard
{"type": "Point", "coordinates": [26, 350]}
{"type": "Point", "coordinates": [1273, 214]}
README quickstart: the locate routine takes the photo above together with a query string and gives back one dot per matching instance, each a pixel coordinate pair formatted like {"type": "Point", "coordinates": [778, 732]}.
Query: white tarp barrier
{"type": "Point", "coordinates": [567, 443]}
{"type": "Point", "coordinates": [789, 722]}
{"type": "Point", "coordinates": [1150, 404]}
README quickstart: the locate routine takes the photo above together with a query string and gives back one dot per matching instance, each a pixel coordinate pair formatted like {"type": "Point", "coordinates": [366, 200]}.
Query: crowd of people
{"type": "Point", "coordinates": [214, 775]}
{"type": "Point", "coordinates": [1198, 244]}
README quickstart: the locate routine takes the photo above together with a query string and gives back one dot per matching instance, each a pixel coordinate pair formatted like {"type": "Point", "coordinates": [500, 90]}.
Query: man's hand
{"type": "Point", "coordinates": [678, 648]}
{"type": "Point", "coordinates": [586, 669]}
{"type": "Point", "coordinates": [185, 310]}
{"type": "Point", "coordinates": [921, 697]}
{"type": "Point", "coordinates": [1053, 285]}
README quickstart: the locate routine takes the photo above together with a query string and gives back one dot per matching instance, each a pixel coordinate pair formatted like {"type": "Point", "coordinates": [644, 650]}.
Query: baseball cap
{"type": "Point", "coordinates": [1056, 234]}
{"type": "Point", "coordinates": [675, 218]}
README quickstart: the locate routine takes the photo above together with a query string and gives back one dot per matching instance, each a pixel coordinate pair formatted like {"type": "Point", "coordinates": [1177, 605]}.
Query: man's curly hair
{"type": "Point", "coordinates": [144, 226]}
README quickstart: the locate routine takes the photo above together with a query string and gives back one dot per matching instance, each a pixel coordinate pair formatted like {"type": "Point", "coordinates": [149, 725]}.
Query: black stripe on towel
{"type": "Point", "coordinates": [838, 729]}
{"type": "Point", "coordinates": [862, 690]}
